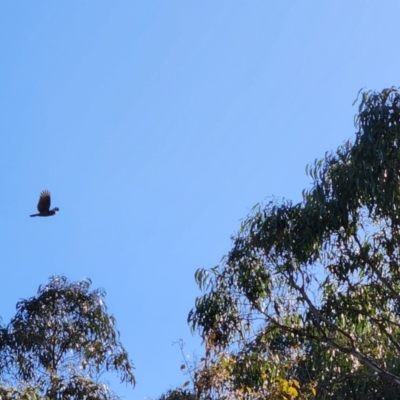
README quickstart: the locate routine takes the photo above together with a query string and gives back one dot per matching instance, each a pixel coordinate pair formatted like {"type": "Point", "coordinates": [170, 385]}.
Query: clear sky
{"type": "Point", "coordinates": [157, 125]}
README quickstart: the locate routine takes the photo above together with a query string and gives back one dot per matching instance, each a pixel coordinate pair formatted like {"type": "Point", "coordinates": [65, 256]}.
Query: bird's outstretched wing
{"type": "Point", "coordinates": [44, 201]}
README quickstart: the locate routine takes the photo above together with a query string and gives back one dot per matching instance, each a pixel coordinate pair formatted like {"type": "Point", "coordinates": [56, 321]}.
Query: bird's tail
{"type": "Point", "coordinates": [34, 215]}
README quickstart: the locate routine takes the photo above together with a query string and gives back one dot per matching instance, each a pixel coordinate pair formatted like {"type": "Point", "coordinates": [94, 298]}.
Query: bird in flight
{"type": "Point", "coordinates": [44, 205]}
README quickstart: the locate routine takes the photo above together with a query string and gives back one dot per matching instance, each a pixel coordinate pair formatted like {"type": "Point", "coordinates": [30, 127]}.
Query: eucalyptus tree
{"type": "Point", "coordinates": [60, 343]}
{"type": "Point", "coordinates": [307, 302]}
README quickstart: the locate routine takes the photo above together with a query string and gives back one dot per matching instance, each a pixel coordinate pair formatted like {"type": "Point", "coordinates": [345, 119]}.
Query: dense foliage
{"type": "Point", "coordinates": [306, 304]}
{"type": "Point", "coordinates": [59, 344]}
{"type": "Point", "coordinates": [178, 394]}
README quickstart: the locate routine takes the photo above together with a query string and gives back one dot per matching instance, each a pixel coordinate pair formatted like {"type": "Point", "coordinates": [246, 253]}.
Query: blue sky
{"type": "Point", "coordinates": [157, 125]}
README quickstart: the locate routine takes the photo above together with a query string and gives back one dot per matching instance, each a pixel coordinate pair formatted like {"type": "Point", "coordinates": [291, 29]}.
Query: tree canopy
{"type": "Point", "coordinates": [59, 344]}
{"type": "Point", "coordinates": [307, 302]}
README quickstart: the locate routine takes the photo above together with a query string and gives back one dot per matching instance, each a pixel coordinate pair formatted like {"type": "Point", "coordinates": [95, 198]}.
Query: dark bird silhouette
{"type": "Point", "coordinates": [44, 205]}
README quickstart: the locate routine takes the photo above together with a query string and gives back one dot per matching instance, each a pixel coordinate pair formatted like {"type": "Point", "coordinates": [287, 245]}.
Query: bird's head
{"type": "Point", "coordinates": [56, 209]}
